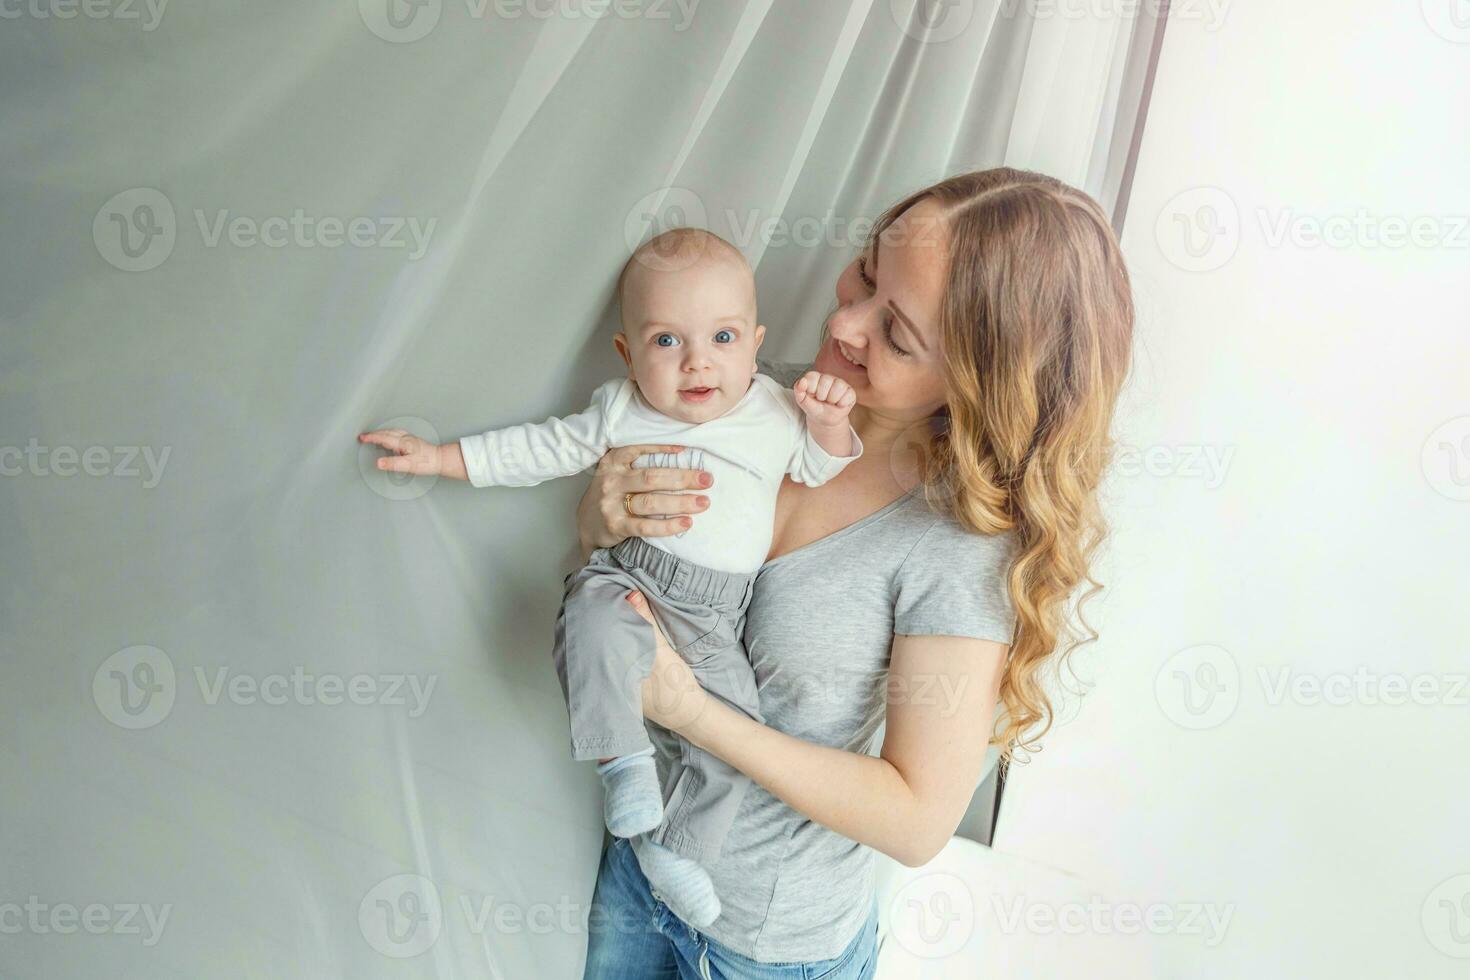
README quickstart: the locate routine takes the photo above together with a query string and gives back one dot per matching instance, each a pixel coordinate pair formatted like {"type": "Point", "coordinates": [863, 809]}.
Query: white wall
{"type": "Point", "coordinates": [1332, 540]}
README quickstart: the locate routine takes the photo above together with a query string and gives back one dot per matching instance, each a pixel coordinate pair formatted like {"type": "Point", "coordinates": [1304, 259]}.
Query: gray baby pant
{"type": "Point", "coordinates": [603, 651]}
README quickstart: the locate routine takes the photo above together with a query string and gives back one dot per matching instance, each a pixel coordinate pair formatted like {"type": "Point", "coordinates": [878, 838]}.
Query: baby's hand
{"type": "Point", "coordinates": [825, 398]}
{"type": "Point", "coordinates": [414, 455]}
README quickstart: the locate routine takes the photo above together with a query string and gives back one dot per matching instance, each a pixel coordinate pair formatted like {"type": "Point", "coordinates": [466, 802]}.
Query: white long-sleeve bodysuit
{"type": "Point", "coordinates": [749, 450]}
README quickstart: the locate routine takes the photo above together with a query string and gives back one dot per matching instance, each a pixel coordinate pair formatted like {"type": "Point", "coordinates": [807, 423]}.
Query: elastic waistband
{"type": "Point", "coordinates": [686, 580]}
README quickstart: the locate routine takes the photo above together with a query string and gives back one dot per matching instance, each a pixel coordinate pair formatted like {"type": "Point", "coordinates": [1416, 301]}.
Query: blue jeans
{"type": "Point", "coordinates": [631, 934]}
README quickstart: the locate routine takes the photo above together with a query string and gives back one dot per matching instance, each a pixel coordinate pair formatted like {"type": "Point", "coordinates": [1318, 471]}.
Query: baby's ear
{"type": "Point", "coordinates": [760, 335]}
{"type": "Point", "coordinates": [620, 341]}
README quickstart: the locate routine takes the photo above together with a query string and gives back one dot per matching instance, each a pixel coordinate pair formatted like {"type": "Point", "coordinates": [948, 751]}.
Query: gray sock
{"type": "Point", "coordinates": [683, 884]}
{"type": "Point", "coordinates": [632, 802]}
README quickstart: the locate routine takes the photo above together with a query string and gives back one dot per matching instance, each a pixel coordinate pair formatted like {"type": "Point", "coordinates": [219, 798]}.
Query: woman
{"type": "Point", "coordinates": [986, 329]}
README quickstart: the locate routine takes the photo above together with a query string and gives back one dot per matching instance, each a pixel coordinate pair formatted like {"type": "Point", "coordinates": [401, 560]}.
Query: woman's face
{"type": "Point", "coordinates": [883, 338]}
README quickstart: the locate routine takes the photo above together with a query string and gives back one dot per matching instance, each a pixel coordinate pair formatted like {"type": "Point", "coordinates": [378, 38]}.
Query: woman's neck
{"type": "Point", "coordinates": [878, 431]}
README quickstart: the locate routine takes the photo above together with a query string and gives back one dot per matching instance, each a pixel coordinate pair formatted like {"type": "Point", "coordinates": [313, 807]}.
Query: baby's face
{"type": "Point", "coordinates": [690, 337]}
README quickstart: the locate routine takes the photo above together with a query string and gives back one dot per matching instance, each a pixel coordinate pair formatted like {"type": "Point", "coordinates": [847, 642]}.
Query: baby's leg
{"type": "Point", "coordinates": [706, 791]}
{"type": "Point", "coordinates": [602, 650]}
{"type": "Point", "coordinates": [680, 883]}
{"type": "Point", "coordinates": [691, 626]}
{"type": "Point", "coordinates": [632, 802]}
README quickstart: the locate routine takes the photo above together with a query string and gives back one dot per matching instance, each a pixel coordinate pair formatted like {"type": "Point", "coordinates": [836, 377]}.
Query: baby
{"type": "Point", "coordinates": [689, 339]}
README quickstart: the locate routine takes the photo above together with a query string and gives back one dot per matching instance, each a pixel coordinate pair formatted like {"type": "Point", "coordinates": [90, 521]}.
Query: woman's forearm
{"type": "Point", "coordinates": [859, 796]}
{"type": "Point", "coordinates": [905, 803]}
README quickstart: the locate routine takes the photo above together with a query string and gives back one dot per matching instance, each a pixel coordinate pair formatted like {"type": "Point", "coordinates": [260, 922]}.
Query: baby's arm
{"type": "Point", "coordinates": [515, 456]}
{"type": "Point", "coordinates": [531, 453]}
{"type": "Point", "coordinates": [829, 441]}
{"type": "Point", "coordinates": [827, 400]}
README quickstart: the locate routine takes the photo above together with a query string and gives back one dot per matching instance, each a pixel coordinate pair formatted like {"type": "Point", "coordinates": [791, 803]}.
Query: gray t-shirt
{"type": "Point", "coordinates": [818, 632]}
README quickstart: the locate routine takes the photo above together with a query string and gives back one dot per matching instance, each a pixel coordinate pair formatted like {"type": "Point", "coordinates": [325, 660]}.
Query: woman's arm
{"type": "Point", "coordinates": [906, 802]}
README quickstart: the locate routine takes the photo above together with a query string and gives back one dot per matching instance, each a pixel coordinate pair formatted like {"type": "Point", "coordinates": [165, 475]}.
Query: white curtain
{"type": "Point", "coordinates": [249, 683]}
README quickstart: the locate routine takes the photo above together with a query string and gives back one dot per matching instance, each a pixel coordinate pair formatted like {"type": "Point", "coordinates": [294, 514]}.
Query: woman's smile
{"type": "Point", "coordinates": [835, 358]}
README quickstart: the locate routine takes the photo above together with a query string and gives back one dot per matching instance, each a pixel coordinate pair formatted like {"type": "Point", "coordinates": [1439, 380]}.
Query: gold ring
{"type": "Point", "coordinates": [628, 504]}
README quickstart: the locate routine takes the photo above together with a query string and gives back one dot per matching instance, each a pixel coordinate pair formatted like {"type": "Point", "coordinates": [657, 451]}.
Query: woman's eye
{"type": "Point", "coordinates": [862, 269]}
{"type": "Point", "coordinates": [659, 340]}
{"type": "Point", "coordinates": [727, 334]}
{"type": "Point", "coordinates": [888, 336]}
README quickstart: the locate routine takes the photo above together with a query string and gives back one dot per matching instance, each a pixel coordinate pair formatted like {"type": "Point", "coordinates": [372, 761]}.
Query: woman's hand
{"type": "Point", "coordinates": [602, 520]}
{"type": "Point", "coordinates": [671, 695]}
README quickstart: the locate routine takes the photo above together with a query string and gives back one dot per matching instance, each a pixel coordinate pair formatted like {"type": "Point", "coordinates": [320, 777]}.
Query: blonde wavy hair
{"type": "Point", "coordinates": [1037, 328]}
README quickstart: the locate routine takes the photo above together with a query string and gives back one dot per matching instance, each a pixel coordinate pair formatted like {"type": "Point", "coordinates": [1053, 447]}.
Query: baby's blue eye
{"type": "Point", "coordinates": [725, 333]}
{"type": "Point", "coordinates": [661, 337]}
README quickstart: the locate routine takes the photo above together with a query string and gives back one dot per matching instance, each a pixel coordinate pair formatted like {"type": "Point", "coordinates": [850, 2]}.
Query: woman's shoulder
{"type": "Point", "coordinates": [924, 533]}
{"type": "Point", "coordinates": [953, 580]}
{"type": "Point", "coordinates": [942, 537]}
